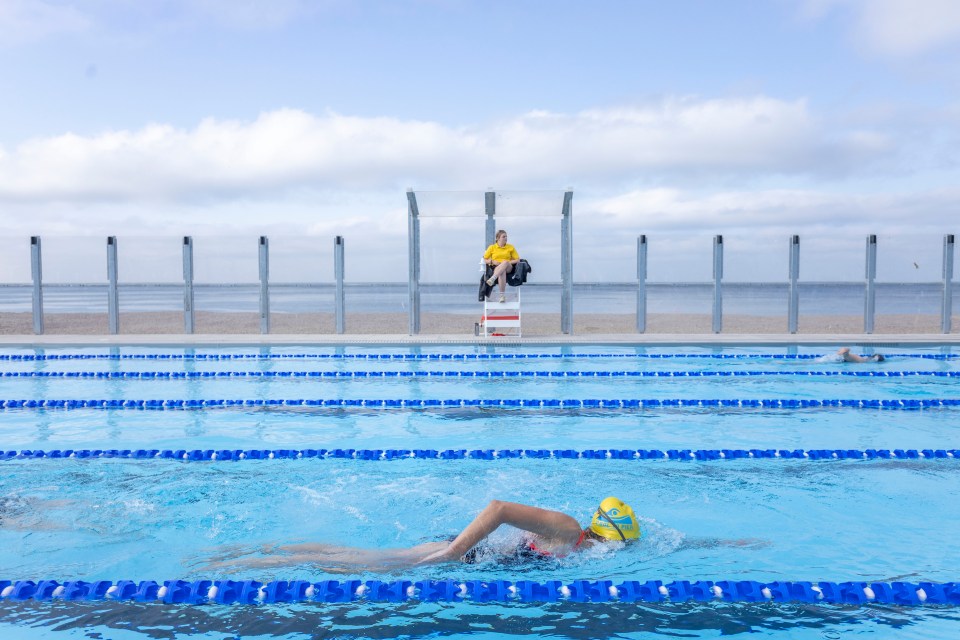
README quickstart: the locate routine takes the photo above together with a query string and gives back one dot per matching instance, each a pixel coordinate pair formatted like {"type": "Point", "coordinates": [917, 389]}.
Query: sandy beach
{"type": "Point", "coordinates": [534, 324]}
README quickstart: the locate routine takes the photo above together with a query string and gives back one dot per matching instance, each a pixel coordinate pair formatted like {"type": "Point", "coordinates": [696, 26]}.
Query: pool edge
{"type": "Point", "coordinates": [234, 340]}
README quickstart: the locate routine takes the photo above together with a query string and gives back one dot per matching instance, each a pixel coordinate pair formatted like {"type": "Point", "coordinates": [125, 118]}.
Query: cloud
{"type": "Point", "coordinates": [756, 168]}
{"type": "Point", "coordinates": [776, 211]}
{"type": "Point", "coordinates": [25, 21]}
{"type": "Point", "coordinates": [756, 226]}
{"type": "Point", "coordinates": [679, 223]}
{"type": "Point", "coordinates": [290, 149]}
{"type": "Point", "coordinates": [909, 27]}
{"type": "Point", "coordinates": [896, 28]}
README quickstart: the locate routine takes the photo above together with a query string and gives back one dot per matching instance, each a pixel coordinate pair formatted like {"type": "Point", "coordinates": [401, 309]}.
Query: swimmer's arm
{"type": "Point", "coordinates": [304, 547]}
{"type": "Point", "coordinates": [543, 522]}
{"type": "Point", "coordinates": [850, 357]}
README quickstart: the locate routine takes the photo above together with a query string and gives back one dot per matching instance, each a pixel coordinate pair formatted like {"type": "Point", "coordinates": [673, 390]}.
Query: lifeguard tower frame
{"type": "Point", "coordinates": [490, 203]}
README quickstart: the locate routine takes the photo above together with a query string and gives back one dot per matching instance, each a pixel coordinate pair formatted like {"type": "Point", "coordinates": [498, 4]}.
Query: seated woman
{"type": "Point", "coordinates": [552, 534]}
{"type": "Point", "coordinates": [502, 257]}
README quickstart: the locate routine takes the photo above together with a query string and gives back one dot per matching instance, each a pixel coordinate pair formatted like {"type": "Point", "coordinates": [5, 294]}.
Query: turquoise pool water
{"type": "Point", "coordinates": [733, 519]}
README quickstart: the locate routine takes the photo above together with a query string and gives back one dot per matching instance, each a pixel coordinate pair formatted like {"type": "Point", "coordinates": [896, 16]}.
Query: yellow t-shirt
{"type": "Point", "coordinates": [501, 254]}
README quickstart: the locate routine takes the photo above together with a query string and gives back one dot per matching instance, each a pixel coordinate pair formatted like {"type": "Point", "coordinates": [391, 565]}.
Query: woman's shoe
{"type": "Point", "coordinates": [503, 298]}
{"type": "Point", "coordinates": [490, 281]}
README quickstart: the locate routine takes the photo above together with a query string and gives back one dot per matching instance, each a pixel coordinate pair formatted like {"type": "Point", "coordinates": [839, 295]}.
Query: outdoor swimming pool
{"type": "Point", "coordinates": [762, 464]}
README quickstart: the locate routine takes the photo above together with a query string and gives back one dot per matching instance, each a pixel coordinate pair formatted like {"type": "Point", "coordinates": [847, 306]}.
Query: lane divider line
{"type": "Point", "coordinates": [198, 455]}
{"type": "Point", "coordinates": [454, 403]}
{"type": "Point", "coordinates": [251, 592]}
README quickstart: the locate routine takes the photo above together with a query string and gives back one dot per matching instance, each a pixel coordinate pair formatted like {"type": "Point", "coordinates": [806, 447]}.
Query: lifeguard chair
{"type": "Point", "coordinates": [497, 318]}
{"type": "Point", "coordinates": [501, 318]}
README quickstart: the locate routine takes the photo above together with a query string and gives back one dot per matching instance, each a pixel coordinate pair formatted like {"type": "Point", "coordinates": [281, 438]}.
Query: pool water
{"type": "Point", "coordinates": [742, 519]}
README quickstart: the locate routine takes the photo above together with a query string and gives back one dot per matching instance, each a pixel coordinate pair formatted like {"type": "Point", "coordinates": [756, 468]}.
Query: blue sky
{"type": "Point", "coordinates": [828, 118]}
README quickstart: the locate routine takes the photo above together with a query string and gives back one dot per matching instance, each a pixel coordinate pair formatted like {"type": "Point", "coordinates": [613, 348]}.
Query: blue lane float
{"type": "Point", "coordinates": [701, 455]}
{"type": "Point", "coordinates": [438, 356]}
{"type": "Point", "coordinates": [455, 403]}
{"type": "Point", "coordinates": [181, 375]}
{"type": "Point", "coordinates": [199, 592]}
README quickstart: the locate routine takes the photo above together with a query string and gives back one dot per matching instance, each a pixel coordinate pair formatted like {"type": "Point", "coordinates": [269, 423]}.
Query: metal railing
{"type": "Point", "coordinates": [566, 293]}
{"type": "Point", "coordinates": [793, 276]}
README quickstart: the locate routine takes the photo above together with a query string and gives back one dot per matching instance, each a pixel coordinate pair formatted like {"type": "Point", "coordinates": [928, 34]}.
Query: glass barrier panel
{"type": "Point", "coordinates": [599, 258]}
{"type": "Point", "coordinates": [303, 259]}
{"type": "Point", "coordinates": [226, 284]}
{"type": "Point", "coordinates": [377, 307]}
{"type": "Point", "coordinates": [74, 259]}
{"type": "Point", "coordinates": [451, 204]}
{"type": "Point", "coordinates": [678, 257]}
{"type": "Point", "coordinates": [16, 291]}
{"type": "Point", "coordinates": [450, 250]}
{"type": "Point", "coordinates": [226, 259]}
{"type": "Point", "coordinates": [909, 290]}
{"type": "Point", "coordinates": [155, 259]}
{"type": "Point", "coordinates": [15, 259]}
{"type": "Point", "coordinates": [380, 255]}
{"type": "Point", "coordinates": [910, 258]}
{"type": "Point", "coordinates": [537, 240]}
{"type": "Point", "coordinates": [302, 283]}
{"type": "Point", "coordinates": [832, 257]}
{"type": "Point", "coordinates": [756, 257]}
{"type": "Point", "coordinates": [532, 204]}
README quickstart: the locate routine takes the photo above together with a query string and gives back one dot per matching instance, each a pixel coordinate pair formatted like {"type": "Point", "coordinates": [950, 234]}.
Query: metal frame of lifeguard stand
{"type": "Point", "coordinates": [490, 206]}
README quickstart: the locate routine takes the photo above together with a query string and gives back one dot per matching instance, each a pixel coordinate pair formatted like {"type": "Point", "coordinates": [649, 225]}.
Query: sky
{"type": "Point", "coordinates": [302, 120]}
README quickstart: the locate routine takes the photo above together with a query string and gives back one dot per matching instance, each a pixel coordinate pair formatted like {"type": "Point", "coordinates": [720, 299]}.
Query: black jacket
{"type": "Point", "coordinates": [484, 287]}
{"type": "Point", "coordinates": [515, 278]}
{"type": "Point", "coordinates": [519, 274]}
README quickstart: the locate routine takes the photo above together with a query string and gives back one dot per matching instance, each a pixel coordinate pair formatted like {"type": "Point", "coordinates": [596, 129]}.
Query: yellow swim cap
{"type": "Point", "coordinates": [614, 520]}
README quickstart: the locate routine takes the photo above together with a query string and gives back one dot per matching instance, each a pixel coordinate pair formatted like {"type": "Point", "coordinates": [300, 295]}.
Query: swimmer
{"type": "Point", "coordinates": [845, 356]}
{"type": "Point", "coordinates": [551, 534]}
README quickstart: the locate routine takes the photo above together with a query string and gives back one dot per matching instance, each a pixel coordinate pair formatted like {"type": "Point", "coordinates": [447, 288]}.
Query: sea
{"type": "Point", "coordinates": [758, 299]}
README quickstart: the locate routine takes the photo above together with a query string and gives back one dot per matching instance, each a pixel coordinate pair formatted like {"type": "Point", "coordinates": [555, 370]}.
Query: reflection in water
{"type": "Point", "coordinates": [417, 619]}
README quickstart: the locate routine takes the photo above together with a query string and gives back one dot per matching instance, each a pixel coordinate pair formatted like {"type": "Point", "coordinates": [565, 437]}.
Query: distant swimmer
{"type": "Point", "coordinates": [845, 356]}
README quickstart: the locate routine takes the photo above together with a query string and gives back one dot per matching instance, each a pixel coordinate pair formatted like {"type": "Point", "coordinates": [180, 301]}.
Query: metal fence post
{"type": "Point", "coordinates": [264, 285]}
{"type": "Point", "coordinates": [946, 308]}
{"type": "Point", "coordinates": [641, 284]}
{"type": "Point", "coordinates": [338, 248]}
{"type": "Point", "coordinates": [490, 208]}
{"type": "Point", "coordinates": [113, 298]}
{"type": "Point", "coordinates": [793, 300]}
{"type": "Point", "coordinates": [566, 264]}
{"type": "Point", "coordinates": [188, 284]}
{"type": "Point", "coordinates": [413, 276]}
{"type": "Point", "coordinates": [870, 293]}
{"type": "Point", "coordinates": [717, 284]}
{"type": "Point", "coordinates": [36, 271]}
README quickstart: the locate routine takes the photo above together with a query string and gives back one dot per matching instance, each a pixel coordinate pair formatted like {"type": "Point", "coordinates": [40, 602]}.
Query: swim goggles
{"type": "Point", "coordinates": [603, 514]}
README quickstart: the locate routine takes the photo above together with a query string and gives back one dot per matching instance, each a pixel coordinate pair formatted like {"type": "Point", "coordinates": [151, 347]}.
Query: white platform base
{"type": "Point", "coordinates": [501, 318]}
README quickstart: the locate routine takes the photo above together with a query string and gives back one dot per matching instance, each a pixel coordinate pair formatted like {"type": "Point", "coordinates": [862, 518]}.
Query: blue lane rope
{"type": "Point", "coordinates": [199, 455]}
{"type": "Point", "coordinates": [440, 356]}
{"type": "Point", "coordinates": [336, 591]}
{"type": "Point", "coordinates": [455, 403]}
{"type": "Point", "coordinates": [176, 375]}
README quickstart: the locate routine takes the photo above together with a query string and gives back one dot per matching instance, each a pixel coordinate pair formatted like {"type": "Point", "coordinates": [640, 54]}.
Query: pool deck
{"type": "Point", "coordinates": [662, 339]}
